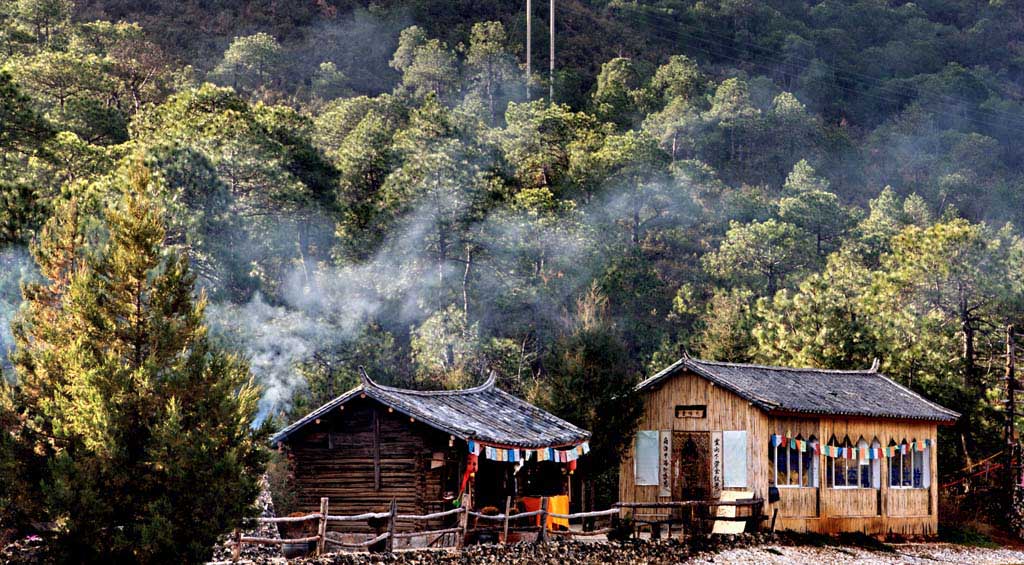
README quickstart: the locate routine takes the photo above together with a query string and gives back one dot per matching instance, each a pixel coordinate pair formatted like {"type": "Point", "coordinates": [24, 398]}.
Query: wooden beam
{"type": "Point", "coordinates": [376, 449]}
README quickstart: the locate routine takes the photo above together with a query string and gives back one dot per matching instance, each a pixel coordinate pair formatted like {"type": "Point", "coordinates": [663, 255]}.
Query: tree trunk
{"type": "Point", "coordinates": [465, 283]}
{"type": "Point", "coordinates": [304, 252]}
{"type": "Point", "coordinates": [970, 354]}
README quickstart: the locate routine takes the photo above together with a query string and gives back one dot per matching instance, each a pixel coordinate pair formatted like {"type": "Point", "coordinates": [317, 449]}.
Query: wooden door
{"type": "Point", "coordinates": [691, 463]}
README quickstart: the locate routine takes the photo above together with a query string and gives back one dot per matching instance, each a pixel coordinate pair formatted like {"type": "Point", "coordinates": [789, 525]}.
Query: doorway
{"type": "Point", "coordinates": [691, 460]}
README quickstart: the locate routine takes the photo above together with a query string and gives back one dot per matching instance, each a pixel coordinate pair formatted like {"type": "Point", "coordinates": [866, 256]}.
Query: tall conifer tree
{"type": "Point", "coordinates": [144, 422]}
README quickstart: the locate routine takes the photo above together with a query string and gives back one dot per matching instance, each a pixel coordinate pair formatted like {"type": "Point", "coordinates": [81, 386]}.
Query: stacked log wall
{"type": "Point", "coordinates": [338, 458]}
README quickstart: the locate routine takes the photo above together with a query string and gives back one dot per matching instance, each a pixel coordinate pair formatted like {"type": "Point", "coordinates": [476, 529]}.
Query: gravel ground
{"type": "Point", "coordinates": [673, 553]}
{"type": "Point", "coordinates": [930, 553]}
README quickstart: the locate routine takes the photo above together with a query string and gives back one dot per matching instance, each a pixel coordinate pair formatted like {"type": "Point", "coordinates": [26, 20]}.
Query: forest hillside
{"type": "Point", "coordinates": [367, 184]}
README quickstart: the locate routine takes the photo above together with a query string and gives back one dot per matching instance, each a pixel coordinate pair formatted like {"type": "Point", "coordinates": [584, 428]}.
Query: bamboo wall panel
{"type": "Point", "coordinates": [908, 502]}
{"type": "Point", "coordinates": [798, 502]}
{"type": "Point", "coordinates": [850, 502]}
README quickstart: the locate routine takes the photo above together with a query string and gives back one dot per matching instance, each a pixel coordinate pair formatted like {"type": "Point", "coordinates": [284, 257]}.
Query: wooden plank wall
{"type": "Point", "coordinates": [336, 459]}
{"type": "Point", "coordinates": [882, 511]}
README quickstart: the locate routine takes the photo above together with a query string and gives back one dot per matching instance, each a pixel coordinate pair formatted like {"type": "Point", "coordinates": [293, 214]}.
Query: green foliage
{"type": "Point", "coordinates": [329, 82]}
{"type": "Point", "coordinates": [591, 385]}
{"type": "Point", "coordinates": [823, 323]}
{"type": "Point", "coordinates": [761, 255]}
{"type": "Point", "coordinates": [491, 67]}
{"type": "Point", "coordinates": [251, 62]}
{"type": "Point", "coordinates": [253, 176]}
{"type": "Point", "coordinates": [617, 93]}
{"type": "Point", "coordinates": [141, 420]}
{"type": "Point", "coordinates": [445, 347]}
{"type": "Point", "coordinates": [813, 208]}
{"type": "Point", "coordinates": [45, 18]}
{"type": "Point", "coordinates": [965, 535]}
{"type": "Point", "coordinates": [679, 79]}
{"type": "Point", "coordinates": [428, 66]}
{"type": "Point", "coordinates": [728, 324]}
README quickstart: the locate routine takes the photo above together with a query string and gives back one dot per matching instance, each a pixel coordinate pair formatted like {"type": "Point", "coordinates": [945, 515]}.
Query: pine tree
{"type": "Point", "coordinates": [150, 451]}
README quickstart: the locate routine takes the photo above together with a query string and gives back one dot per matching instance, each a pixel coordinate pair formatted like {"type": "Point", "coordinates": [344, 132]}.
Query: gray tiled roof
{"type": "Point", "coordinates": [485, 413]}
{"type": "Point", "coordinates": [812, 391]}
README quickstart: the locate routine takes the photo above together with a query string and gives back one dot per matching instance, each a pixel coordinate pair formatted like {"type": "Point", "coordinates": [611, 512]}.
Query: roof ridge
{"type": "Point", "coordinates": [935, 405]}
{"type": "Point", "coordinates": [766, 403]}
{"type": "Point", "coordinates": [488, 384]}
{"type": "Point", "coordinates": [870, 371]}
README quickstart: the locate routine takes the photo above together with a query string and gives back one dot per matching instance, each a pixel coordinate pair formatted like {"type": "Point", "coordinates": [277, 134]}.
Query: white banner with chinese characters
{"type": "Point", "coordinates": [665, 464]}
{"type": "Point", "coordinates": [716, 465]}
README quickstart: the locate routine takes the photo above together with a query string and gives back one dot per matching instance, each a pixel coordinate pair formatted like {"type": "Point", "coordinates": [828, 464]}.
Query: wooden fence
{"type": "Point", "coordinates": [503, 523]}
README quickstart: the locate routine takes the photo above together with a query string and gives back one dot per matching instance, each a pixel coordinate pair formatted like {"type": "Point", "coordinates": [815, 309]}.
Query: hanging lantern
{"type": "Point", "coordinates": [572, 466]}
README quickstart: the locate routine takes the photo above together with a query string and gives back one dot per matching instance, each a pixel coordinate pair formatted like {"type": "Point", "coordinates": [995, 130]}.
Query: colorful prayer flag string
{"type": "Point", "coordinates": [512, 455]}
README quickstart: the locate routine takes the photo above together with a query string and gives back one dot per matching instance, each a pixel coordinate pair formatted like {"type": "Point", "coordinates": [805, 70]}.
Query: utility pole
{"type": "Point", "coordinates": [551, 49]}
{"type": "Point", "coordinates": [1013, 452]}
{"type": "Point", "coordinates": [529, 41]}
{"type": "Point", "coordinates": [1009, 431]}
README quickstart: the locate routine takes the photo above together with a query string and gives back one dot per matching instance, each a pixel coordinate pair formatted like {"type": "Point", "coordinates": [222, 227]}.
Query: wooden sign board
{"type": "Point", "coordinates": [692, 411]}
{"type": "Point", "coordinates": [665, 464]}
{"type": "Point", "coordinates": [716, 465]}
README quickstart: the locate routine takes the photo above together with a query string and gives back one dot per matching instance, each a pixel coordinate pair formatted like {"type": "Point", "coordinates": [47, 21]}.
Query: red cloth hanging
{"type": "Point", "coordinates": [472, 464]}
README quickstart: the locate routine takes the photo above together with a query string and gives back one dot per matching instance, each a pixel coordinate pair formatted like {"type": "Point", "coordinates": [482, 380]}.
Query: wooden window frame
{"type": "Point", "coordinates": [925, 466]}
{"type": "Point", "coordinates": [815, 476]}
{"type": "Point", "coordinates": [830, 467]}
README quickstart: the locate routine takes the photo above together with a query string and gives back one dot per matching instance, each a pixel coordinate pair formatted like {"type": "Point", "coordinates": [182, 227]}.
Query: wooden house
{"type": "Point", "coordinates": [426, 450]}
{"type": "Point", "coordinates": [831, 451]}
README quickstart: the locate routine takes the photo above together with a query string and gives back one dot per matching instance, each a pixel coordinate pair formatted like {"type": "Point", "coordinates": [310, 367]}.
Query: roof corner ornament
{"type": "Point", "coordinates": [874, 365]}
{"type": "Point", "coordinates": [492, 377]}
{"type": "Point", "coordinates": [364, 378]}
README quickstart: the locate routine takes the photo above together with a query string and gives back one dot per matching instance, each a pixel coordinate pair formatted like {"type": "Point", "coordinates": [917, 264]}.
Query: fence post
{"type": "Point", "coordinates": [389, 544]}
{"type": "Point", "coordinates": [321, 530]}
{"type": "Point", "coordinates": [542, 536]}
{"type": "Point", "coordinates": [463, 527]}
{"type": "Point", "coordinates": [236, 548]}
{"type": "Point", "coordinates": [467, 503]}
{"type": "Point", "coordinates": [508, 509]}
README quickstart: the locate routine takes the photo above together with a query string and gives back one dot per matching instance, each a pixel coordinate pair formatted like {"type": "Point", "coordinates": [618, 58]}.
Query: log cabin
{"type": "Point", "coordinates": [831, 451]}
{"type": "Point", "coordinates": [426, 450]}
